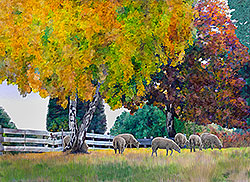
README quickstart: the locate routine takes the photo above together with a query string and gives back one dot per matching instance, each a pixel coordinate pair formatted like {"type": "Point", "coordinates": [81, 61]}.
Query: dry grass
{"type": "Point", "coordinates": [231, 164]}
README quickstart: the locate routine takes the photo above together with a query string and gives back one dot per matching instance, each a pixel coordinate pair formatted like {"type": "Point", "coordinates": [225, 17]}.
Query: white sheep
{"type": "Point", "coordinates": [195, 140]}
{"type": "Point", "coordinates": [211, 140]}
{"type": "Point", "coordinates": [130, 139]}
{"type": "Point", "coordinates": [181, 140]}
{"type": "Point", "coordinates": [119, 143]}
{"type": "Point", "coordinates": [164, 143]}
{"type": "Point", "coordinates": [203, 136]}
{"type": "Point", "coordinates": [66, 141]}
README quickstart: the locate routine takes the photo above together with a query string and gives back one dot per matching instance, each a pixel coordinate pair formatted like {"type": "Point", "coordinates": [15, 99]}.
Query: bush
{"type": "Point", "coordinates": [229, 137]}
{"type": "Point", "coordinates": [146, 122]}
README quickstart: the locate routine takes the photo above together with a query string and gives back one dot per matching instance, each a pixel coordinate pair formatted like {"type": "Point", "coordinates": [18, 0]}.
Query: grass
{"type": "Point", "coordinates": [232, 164]}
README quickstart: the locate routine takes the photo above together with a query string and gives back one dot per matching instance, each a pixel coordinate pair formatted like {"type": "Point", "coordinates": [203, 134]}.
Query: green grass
{"type": "Point", "coordinates": [231, 164]}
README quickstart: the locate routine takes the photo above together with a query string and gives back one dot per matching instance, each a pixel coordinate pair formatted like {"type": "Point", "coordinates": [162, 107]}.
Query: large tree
{"type": "Point", "coordinates": [206, 87]}
{"type": "Point", "coordinates": [57, 116]}
{"type": "Point", "coordinates": [86, 49]}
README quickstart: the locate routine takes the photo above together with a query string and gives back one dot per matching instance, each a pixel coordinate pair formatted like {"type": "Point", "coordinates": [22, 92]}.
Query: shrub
{"type": "Point", "coordinates": [229, 137]}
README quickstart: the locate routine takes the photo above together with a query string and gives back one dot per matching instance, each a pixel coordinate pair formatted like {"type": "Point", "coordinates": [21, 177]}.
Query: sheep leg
{"type": "Point", "coordinates": [115, 150]}
{"type": "Point", "coordinates": [212, 146]}
{"type": "Point", "coordinates": [130, 145]}
{"type": "Point", "coordinates": [167, 152]}
{"type": "Point", "coordinates": [152, 153]}
{"type": "Point", "coordinates": [191, 149]}
{"type": "Point", "coordinates": [171, 152]}
{"type": "Point", "coordinates": [194, 148]}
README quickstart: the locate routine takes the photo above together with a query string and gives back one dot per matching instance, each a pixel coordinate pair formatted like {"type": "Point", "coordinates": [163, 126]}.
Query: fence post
{"type": "Point", "coordinates": [145, 146]}
{"type": "Point", "coordinates": [92, 131]}
{"type": "Point", "coordinates": [53, 142]}
{"type": "Point", "coordinates": [109, 140]}
{"type": "Point", "coordinates": [151, 140]}
{"type": "Point", "coordinates": [24, 136]}
{"type": "Point", "coordinates": [1, 140]}
{"type": "Point", "coordinates": [62, 138]}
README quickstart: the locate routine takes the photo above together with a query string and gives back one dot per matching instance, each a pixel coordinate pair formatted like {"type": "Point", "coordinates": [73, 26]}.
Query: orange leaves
{"type": "Point", "coordinates": [33, 79]}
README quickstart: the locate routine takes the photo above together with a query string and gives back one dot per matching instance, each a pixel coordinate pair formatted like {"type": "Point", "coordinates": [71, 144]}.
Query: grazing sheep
{"type": "Point", "coordinates": [204, 143]}
{"type": "Point", "coordinates": [164, 143]}
{"type": "Point", "coordinates": [130, 139]}
{"type": "Point", "coordinates": [119, 143]}
{"type": "Point", "coordinates": [211, 140]}
{"type": "Point", "coordinates": [181, 140]}
{"type": "Point", "coordinates": [195, 140]}
{"type": "Point", "coordinates": [66, 141]}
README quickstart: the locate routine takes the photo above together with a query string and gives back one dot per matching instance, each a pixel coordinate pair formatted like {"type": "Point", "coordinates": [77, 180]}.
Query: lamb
{"type": "Point", "coordinates": [130, 139]}
{"type": "Point", "coordinates": [212, 140]}
{"type": "Point", "coordinates": [119, 143]}
{"type": "Point", "coordinates": [181, 140]}
{"type": "Point", "coordinates": [66, 141]}
{"type": "Point", "coordinates": [164, 143]}
{"type": "Point", "coordinates": [195, 140]}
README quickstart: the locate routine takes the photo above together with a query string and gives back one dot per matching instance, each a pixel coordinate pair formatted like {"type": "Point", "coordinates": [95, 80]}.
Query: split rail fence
{"type": "Point", "coordinates": [22, 140]}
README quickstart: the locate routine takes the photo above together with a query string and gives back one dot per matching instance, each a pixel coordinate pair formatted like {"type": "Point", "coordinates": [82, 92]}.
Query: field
{"type": "Point", "coordinates": [232, 164]}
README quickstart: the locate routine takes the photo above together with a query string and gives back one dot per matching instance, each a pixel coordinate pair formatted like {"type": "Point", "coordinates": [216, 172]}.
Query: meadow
{"type": "Point", "coordinates": [231, 164]}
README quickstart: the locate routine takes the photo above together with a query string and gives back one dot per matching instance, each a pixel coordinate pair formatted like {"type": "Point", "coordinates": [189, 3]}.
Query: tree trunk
{"type": "Point", "coordinates": [170, 114]}
{"type": "Point", "coordinates": [77, 143]}
{"type": "Point", "coordinates": [72, 124]}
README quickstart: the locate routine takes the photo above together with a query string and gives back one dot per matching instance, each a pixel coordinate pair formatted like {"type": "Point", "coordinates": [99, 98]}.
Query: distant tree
{"type": "Point", "coordinates": [57, 117]}
{"type": "Point", "coordinates": [5, 120]}
{"type": "Point", "coordinates": [245, 92]}
{"type": "Point", "coordinates": [241, 15]}
{"type": "Point", "coordinates": [146, 122]}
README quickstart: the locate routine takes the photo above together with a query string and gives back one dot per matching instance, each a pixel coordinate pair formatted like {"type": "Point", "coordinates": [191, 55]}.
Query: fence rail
{"type": "Point", "coordinates": [21, 140]}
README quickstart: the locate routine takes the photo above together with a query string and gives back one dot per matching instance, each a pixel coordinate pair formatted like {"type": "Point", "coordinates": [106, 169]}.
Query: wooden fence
{"type": "Point", "coordinates": [21, 140]}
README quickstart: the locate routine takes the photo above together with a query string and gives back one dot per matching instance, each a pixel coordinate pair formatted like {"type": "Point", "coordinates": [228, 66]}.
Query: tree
{"type": "Point", "coordinates": [86, 49]}
{"type": "Point", "coordinates": [57, 116]}
{"type": "Point", "coordinates": [5, 120]}
{"type": "Point", "coordinates": [241, 16]}
{"type": "Point", "coordinates": [240, 11]}
{"type": "Point", "coordinates": [146, 122]}
{"type": "Point", "coordinates": [206, 87]}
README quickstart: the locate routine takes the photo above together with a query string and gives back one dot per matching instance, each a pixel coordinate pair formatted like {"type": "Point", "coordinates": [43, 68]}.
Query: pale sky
{"type": "Point", "coordinates": [30, 112]}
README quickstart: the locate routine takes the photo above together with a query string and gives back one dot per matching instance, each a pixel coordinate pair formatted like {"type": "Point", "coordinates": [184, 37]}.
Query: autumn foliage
{"type": "Point", "coordinates": [206, 87]}
{"type": "Point", "coordinates": [58, 48]}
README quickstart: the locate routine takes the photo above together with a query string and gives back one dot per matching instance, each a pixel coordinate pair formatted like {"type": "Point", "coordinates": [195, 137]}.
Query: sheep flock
{"type": "Point", "coordinates": [204, 141]}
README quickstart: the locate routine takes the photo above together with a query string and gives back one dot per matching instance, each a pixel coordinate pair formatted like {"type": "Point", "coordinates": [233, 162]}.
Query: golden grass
{"type": "Point", "coordinates": [232, 164]}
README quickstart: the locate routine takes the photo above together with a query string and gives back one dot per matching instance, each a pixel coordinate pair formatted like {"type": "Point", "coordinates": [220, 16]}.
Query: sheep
{"type": "Point", "coordinates": [212, 140]}
{"type": "Point", "coordinates": [164, 143]}
{"type": "Point", "coordinates": [203, 136]}
{"type": "Point", "coordinates": [130, 139]}
{"type": "Point", "coordinates": [119, 143]}
{"type": "Point", "coordinates": [195, 140]}
{"type": "Point", "coordinates": [181, 140]}
{"type": "Point", "coordinates": [66, 141]}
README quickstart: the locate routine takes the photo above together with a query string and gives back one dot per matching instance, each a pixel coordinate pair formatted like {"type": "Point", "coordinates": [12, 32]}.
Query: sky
{"type": "Point", "coordinates": [30, 112]}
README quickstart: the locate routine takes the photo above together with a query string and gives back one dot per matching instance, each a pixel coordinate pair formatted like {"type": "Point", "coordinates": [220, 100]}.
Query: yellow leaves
{"type": "Point", "coordinates": [64, 104]}
{"type": "Point", "coordinates": [43, 93]}
{"type": "Point", "coordinates": [141, 90]}
{"type": "Point", "coordinates": [33, 79]}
